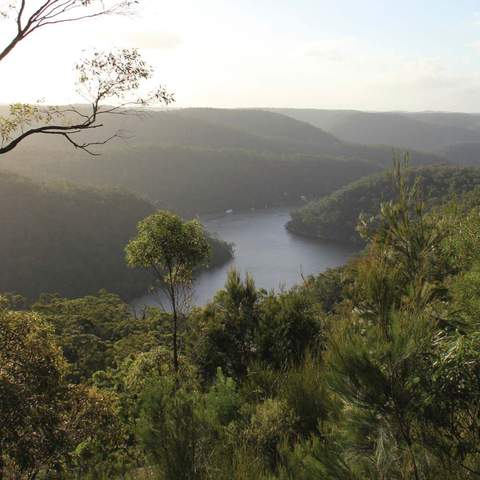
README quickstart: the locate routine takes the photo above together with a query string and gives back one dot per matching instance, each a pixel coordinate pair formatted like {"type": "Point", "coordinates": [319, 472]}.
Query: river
{"type": "Point", "coordinates": [275, 257]}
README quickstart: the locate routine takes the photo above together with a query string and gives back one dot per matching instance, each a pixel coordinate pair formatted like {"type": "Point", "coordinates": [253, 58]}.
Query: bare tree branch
{"type": "Point", "coordinates": [53, 12]}
{"type": "Point", "coordinates": [83, 146]}
{"type": "Point", "coordinates": [47, 129]}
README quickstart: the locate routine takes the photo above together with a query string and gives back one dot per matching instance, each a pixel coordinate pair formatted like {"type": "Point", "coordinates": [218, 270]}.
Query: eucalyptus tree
{"type": "Point", "coordinates": [171, 249]}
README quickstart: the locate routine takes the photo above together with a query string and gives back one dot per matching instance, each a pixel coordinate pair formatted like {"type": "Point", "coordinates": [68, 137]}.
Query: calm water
{"type": "Point", "coordinates": [263, 247]}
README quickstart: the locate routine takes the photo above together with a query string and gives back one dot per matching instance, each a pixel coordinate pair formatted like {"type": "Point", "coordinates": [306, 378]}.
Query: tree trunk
{"type": "Point", "coordinates": [175, 329]}
{"type": "Point", "coordinates": [175, 341]}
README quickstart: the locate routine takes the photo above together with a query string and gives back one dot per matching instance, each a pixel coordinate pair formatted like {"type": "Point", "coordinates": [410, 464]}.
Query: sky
{"type": "Point", "coordinates": [345, 54]}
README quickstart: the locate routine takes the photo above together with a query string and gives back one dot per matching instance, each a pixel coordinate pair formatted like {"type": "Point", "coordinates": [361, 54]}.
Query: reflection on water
{"type": "Point", "coordinates": [263, 247]}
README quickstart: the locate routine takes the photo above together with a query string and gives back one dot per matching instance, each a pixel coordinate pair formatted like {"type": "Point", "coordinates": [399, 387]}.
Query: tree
{"type": "Point", "coordinates": [406, 263]}
{"type": "Point", "coordinates": [112, 76]}
{"type": "Point", "coordinates": [42, 417]}
{"type": "Point", "coordinates": [244, 324]}
{"type": "Point", "coordinates": [382, 358]}
{"type": "Point", "coordinates": [31, 389]}
{"type": "Point", "coordinates": [171, 248]}
{"type": "Point", "coordinates": [225, 328]}
{"type": "Point", "coordinates": [94, 331]}
{"type": "Point", "coordinates": [167, 429]}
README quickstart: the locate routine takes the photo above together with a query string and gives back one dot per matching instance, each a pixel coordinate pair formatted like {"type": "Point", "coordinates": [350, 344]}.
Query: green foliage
{"type": "Point", "coordinates": [335, 217]}
{"type": "Point", "coordinates": [315, 459]}
{"type": "Point", "coordinates": [288, 327]}
{"type": "Point", "coordinates": [272, 423]}
{"type": "Point", "coordinates": [328, 289]}
{"type": "Point", "coordinates": [32, 391]}
{"type": "Point", "coordinates": [222, 400]}
{"type": "Point", "coordinates": [465, 291]}
{"type": "Point", "coordinates": [95, 332]}
{"type": "Point", "coordinates": [169, 246]}
{"type": "Point", "coordinates": [43, 418]}
{"type": "Point", "coordinates": [451, 406]}
{"type": "Point", "coordinates": [223, 333]}
{"type": "Point", "coordinates": [167, 430]}
{"type": "Point", "coordinates": [172, 249]}
{"type": "Point", "coordinates": [379, 380]}
{"type": "Point", "coordinates": [304, 390]}
{"type": "Point", "coordinates": [20, 115]}
{"type": "Point", "coordinates": [243, 325]}
{"type": "Point", "coordinates": [462, 245]}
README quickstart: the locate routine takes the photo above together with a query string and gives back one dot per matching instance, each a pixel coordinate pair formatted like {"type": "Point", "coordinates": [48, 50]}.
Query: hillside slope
{"type": "Point", "coordinates": [401, 131]}
{"type": "Point", "coordinates": [320, 118]}
{"type": "Point", "coordinates": [70, 240]}
{"type": "Point", "coordinates": [470, 121]}
{"type": "Point", "coordinates": [426, 131]}
{"type": "Point", "coordinates": [273, 126]}
{"type": "Point", "coordinates": [462, 153]}
{"type": "Point", "coordinates": [205, 160]}
{"type": "Point", "coordinates": [335, 216]}
{"type": "Point", "coordinates": [196, 180]}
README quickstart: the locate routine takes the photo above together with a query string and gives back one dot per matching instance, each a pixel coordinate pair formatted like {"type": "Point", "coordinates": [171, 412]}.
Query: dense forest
{"type": "Point", "coordinates": [70, 240]}
{"type": "Point", "coordinates": [197, 180]}
{"type": "Point", "coordinates": [335, 217]}
{"type": "Point", "coordinates": [195, 161]}
{"type": "Point", "coordinates": [369, 371]}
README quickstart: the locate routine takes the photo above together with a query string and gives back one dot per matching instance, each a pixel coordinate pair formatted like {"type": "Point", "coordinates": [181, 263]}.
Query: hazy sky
{"type": "Point", "coordinates": [364, 54]}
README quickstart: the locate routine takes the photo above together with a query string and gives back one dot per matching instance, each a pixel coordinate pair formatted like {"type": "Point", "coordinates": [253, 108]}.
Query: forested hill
{"type": "Point", "coordinates": [206, 160]}
{"type": "Point", "coordinates": [70, 240]}
{"type": "Point", "coordinates": [195, 180]}
{"type": "Point", "coordinates": [246, 129]}
{"type": "Point", "coordinates": [401, 131]}
{"type": "Point", "coordinates": [287, 132]}
{"type": "Point", "coordinates": [335, 217]}
{"type": "Point", "coordinates": [426, 131]}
